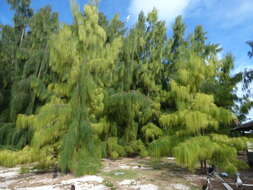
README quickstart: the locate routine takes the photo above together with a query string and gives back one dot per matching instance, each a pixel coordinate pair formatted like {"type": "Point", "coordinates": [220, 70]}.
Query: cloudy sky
{"type": "Point", "coordinates": [227, 22]}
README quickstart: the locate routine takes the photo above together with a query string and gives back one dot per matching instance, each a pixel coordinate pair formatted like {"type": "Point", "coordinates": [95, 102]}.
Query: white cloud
{"type": "Point", "coordinates": [226, 13]}
{"type": "Point", "coordinates": [168, 10]}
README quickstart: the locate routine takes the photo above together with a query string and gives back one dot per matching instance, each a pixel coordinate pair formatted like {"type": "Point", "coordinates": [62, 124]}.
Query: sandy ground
{"type": "Point", "coordinates": [122, 174]}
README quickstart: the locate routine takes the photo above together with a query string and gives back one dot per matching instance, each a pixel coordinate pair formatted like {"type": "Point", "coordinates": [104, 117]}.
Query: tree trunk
{"type": "Point", "coordinates": [22, 36]}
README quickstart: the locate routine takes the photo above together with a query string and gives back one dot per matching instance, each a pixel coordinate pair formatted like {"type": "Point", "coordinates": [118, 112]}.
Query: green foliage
{"type": "Point", "coordinates": [136, 148]}
{"type": "Point", "coordinates": [12, 158]}
{"type": "Point", "coordinates": [72, 94]}
{"type": "Point", "coordinates": [114, 149]}
{"type": "Point", "coordinates": [195, 149]}
{"type": "Point", "coordinates": [151, 132]}
{"type": "Point", "coordinates": [108, 183]}
{"type": "Point", "coordinates": [196, 115]}
{"type": "Point", "coordinates": [24, 170]}
{"type": "Point", "coordinates": [163, 146]}
{"type": "Point", "coordinates": [16, 138]}
{"type": "Point", "coordinates": [195, 111]}
{"type": "Point", "coordinates": [238, 143]}
{"type": "Point", "coordinates": [26, 57]}
{"type": "Point", "coordinates": [126, 109]}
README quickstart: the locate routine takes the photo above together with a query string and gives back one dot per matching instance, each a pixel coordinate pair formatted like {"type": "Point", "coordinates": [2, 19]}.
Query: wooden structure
{"type": "Point", "coordinates": [244, 127]}
{"type": "Point", "coordinates": [247, 127]}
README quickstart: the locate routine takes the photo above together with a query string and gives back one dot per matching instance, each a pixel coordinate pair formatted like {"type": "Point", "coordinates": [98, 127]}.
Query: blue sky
{"type": "Point", "coordinates": [227, 22]}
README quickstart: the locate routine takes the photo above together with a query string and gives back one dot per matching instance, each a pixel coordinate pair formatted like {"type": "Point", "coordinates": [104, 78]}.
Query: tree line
{"type": "Point", "coordinates": [71, 94]}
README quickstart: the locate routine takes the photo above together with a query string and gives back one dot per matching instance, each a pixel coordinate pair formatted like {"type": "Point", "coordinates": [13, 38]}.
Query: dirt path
{"type": "Point", "coordinates": [122, 174]}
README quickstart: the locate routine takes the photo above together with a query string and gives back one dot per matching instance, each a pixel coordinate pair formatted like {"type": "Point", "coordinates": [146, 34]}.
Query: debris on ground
{"type": "Point", "coordinates": [122, 174]}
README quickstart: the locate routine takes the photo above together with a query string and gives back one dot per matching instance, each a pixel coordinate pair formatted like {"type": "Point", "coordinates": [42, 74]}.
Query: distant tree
{"type": "Point", "coordinates": [246, 102]}
{"type": "Point", "coordinates": [26, 70]}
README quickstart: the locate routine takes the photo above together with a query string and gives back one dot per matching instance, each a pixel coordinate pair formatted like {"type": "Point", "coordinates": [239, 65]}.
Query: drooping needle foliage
{"type": "Point", "coordinates": [72, 94]}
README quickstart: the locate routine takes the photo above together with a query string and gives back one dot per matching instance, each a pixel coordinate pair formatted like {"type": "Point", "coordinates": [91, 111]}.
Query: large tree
{"type": "Point", "coordinates": [193, 127]}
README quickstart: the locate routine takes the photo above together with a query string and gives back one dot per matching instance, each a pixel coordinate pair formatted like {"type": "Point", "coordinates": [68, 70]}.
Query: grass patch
{"type": "Point", "coordinates": [109, 184]}
{"type": "Point", "coordinates": [121, 174]}
{"type": "Point", "coordinates": [194, 188]}
{"type": "Point", "coordinates": [24, 170]}
{"type": "Point", "coordinates": [160, 164]}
